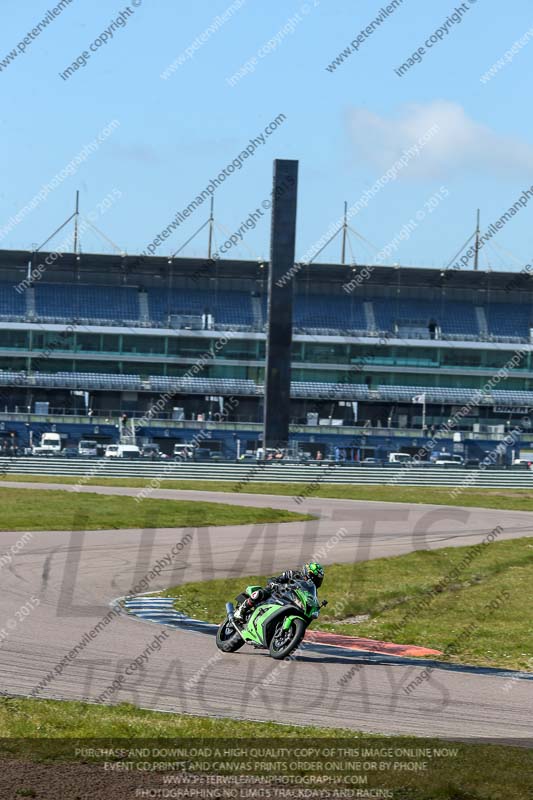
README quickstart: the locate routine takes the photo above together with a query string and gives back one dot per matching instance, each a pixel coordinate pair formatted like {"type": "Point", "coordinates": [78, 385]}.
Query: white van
{"type": "Point", "coordinates": [184, 452]}
{"type": "Point", "coordinates": [122, 451]}
{"type": "Point", "coordinates": [445, 459]}
{"type": "Point", "coordinates": [50, 445]}
{"type": "Point", "coordinates": [87, 448]}
{"type": "Point", "coordinates": [399, 458]}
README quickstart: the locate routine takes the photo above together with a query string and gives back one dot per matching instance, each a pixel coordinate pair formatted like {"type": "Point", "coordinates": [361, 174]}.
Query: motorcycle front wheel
{"type": "Point", "coordinates": [228, 639]}
{"type": "Point", "coordinates": [285, 642]}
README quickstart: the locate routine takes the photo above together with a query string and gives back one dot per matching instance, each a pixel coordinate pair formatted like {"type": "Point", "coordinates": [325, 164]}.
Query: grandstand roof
{"type": "Point", "coordinates": [110, 269]}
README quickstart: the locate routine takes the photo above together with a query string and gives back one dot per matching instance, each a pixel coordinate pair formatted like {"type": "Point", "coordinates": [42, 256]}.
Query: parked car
{"type": "Point", "coordinates": [151, 451]}
{"type": "Point", "coordinates": [525, 463]}
{"type": "Point", "coordinates": [130, 451]}
{"type": "Point", "coordinates": [447, 459]}
{"type": "Point", "coordinates": [184, 452]}
{"type": "Point", "coordinates": [248, 455]}
{"type": "Point", "coordinates": [70, 452]}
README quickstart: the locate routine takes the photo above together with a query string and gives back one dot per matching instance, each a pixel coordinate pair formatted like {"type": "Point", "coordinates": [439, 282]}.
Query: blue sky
{"type": "Point", "coordinates": [346, 127]}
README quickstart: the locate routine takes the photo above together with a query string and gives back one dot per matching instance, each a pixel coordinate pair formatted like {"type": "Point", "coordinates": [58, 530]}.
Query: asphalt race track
{"type": "Point", "coordinates": [70, 578]}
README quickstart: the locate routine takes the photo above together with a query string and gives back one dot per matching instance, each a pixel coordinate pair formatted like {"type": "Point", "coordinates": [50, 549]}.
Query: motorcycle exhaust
{"type": "Point", "coordinates": [230, 610]}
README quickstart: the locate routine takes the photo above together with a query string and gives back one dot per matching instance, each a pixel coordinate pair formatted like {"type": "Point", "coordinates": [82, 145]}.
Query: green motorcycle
{"type": "Point", "coordinates": [277, 624]}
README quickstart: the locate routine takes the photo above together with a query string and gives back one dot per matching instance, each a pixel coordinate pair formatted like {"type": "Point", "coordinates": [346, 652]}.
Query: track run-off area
{"type": "Point", "coordinates": [69, 646]}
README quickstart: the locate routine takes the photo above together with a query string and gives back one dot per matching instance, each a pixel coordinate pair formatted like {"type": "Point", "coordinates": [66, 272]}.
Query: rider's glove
{"type": "Point", "coordinates": [287, 576]}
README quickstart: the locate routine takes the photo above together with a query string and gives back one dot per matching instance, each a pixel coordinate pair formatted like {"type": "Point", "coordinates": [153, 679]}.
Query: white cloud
{"type": "Point", "coordinates": [460, 144]}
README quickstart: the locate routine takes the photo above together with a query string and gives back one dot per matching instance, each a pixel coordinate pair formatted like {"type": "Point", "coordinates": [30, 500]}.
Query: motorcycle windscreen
{"type": "Point", "coordinates": [308, 596]}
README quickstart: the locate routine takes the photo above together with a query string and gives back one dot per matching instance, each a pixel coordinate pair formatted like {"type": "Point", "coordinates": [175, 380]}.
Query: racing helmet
{"type": "Point", "coordinates": [314, 572]}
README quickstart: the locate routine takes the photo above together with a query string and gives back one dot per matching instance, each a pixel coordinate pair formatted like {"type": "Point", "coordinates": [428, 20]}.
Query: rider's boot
{"type": "Point", "coordinates": [239, 611]}
{"type": "Point", "coordinates": [247, 604]}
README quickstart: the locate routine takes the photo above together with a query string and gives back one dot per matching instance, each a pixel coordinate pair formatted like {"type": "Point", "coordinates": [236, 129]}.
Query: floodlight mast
{"type": "Point", "coordinates": [76, 216]}
{"type": "Point", "coordinates": [476, 246]}
{"type": "Point", "coordinates": [344, 232]}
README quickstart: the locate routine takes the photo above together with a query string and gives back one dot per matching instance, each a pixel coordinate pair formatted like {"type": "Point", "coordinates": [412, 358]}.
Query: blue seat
{"type": "Point", "coordinates": [12, 303]}
{"type": "Point", "coordinates": [86, 302]}
{"type": "Point", "coordinates": [227, 308]}
{"type": "Point", "coordinates": [509, 319]}
{"type": "Point", "coordinates": [329, 312]}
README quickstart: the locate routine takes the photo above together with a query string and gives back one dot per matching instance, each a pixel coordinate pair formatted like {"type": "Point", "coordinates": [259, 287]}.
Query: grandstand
{"type": "Point", "coordinates": [158, 308]}
{"type": "Point", "coordinates": [114, 335]}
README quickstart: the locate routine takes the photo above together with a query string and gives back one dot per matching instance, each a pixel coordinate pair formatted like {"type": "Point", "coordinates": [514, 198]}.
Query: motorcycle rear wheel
{"type": "Point", "coordinates": [284, 643]}
{"type": "Point", "coordinates": [228, 639]}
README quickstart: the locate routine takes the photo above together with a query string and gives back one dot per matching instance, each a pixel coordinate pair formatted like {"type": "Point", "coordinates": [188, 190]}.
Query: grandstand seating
{"type": "Point", "coordinates": [331, 312]}
{"type": "Point", "coordinates": [313, 314]}
{"type": "Point", "coordinates": [226, 307]}
{"type": "Point", "coordinates": [514, 397]}
{"type": "Point", "coordinates": [320, 390]}
{"type": "Point", "coordinates": [55, 301]}
{"type": "Point", "coordinates": [453, 317]}
{"type": "Point", "coordinates": [458, 317]}
{"type": "Point", "coordinates": [456, 396]}
{"type": "Point", "coordinates": [245, 387]}
{"type": "Point", "coordinates": [12, 303]}
{"type": "Point", "coordinates": [204, 385]}
{"type": "Point", "coordinates": [509, 321]}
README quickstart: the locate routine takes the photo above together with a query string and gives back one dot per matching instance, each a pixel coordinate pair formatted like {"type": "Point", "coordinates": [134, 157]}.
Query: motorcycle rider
{"type": "Point", "coordinates": [309, 572]}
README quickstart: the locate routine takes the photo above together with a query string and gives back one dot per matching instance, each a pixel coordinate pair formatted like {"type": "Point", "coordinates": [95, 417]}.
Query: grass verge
{"type": "Point", "coordinates": [49, 731]}
{"type": "Point", "coordinates": [510, 499]}
{"type": "Point", "coordinates": [429, 597]}
{"type": "Point", "coordinates": [22, 718]}
{"type": "Point", "coordinates": [33, 509]}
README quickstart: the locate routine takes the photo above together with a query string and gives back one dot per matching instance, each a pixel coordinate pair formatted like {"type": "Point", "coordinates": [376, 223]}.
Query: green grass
{"type": "Point", "coordinates": [47, 719]}
{"type": "Point", "coordinates": [33, 509]}
{"type": "Point", "coordinates": [388, 589]}
{"type": "Point", "coordinates": [50, 730]}
{"type": "Point", "coordinates": [512, 499]}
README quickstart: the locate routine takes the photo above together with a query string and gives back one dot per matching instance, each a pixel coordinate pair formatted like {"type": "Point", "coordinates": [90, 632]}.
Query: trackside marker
{"type": "Point", "coordinates": [370, 645]}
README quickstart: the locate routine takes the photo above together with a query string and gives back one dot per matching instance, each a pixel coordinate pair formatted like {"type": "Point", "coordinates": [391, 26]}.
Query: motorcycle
{"type": "Point", "coordinates": [277, 624]}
